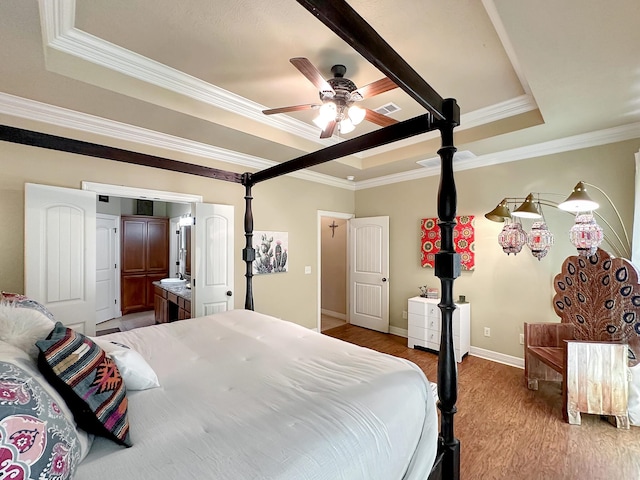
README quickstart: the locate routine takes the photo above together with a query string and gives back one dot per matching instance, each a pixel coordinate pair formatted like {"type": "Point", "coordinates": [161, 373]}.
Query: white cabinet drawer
{"type": "Point", "coordinates": [417, 320]}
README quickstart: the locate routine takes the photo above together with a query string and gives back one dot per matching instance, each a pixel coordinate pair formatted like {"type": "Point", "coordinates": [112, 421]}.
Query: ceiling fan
{"type": "Point", "coordinates": [338, 95]}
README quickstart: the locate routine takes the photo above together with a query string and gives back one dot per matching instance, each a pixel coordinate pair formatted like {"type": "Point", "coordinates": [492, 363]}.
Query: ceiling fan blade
{"type": "Point", "coordinates": [312, 73]}
{"type": "Point", "coordinates": [328, 130]}
{"type": "Point", "coordinates": [293, 108]}
{"type": "Point", "coordinates": [378, 118]}
{"type": "Point", "coordinates": [376, 88]}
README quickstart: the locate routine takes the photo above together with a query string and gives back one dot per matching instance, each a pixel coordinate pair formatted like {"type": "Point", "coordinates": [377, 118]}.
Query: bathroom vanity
{"type": "Point", "coordinates": [171, 302]}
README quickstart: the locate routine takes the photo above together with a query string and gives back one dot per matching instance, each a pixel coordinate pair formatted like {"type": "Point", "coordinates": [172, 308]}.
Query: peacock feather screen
{"type": "Point", "coordinates": [600, 296]}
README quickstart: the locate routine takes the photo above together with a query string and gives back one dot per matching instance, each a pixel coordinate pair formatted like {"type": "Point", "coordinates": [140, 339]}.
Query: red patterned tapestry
{"type": "Point", "coordinates": [463, 239]}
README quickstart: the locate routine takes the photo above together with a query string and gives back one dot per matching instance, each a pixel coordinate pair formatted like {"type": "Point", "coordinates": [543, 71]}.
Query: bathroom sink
{"type": "Point", "coordinates": [173, 281]}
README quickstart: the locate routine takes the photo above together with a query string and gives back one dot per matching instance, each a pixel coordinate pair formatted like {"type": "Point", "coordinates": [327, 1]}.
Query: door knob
{"type": "Point", "coordinates": [384, 279]}
{"type": "Point", "coordinates": [229, 293]}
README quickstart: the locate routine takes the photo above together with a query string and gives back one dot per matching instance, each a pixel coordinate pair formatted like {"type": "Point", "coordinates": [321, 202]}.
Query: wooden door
{"type": "Point", "coordinates": [369, 273]}
{"type": "Point", "coordinates": [60, 253]}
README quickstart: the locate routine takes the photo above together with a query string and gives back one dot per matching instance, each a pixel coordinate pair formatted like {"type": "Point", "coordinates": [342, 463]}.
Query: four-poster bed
{"type": "Point", "coordinates": [442, 114]}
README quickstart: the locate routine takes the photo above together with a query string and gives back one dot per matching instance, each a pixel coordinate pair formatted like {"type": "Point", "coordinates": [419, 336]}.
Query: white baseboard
{"type": "Point", "coordinates": [401, 332]}
{"type": "Point", "coordinates": [497, 357]}
{"type": "Point", "coordinates": [475, 351]}
{"type": "Point", "coordinates": [329, 313]}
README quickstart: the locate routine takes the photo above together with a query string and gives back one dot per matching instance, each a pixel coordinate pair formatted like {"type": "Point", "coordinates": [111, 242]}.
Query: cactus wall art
{"type": "Point", "coordinates": [272, 252]}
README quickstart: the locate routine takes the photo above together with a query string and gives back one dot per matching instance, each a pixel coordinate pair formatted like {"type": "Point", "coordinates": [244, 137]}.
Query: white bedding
{"type": "Point", "coordinates": [247, 396]}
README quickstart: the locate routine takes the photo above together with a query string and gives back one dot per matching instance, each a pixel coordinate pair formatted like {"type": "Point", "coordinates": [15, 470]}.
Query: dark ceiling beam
{"type": "Point", "coordinates": [345, 22]}
{"type": "Point", "coordinates": [377, 138]}
{"type": "Point", "coordinates": [53, 142]}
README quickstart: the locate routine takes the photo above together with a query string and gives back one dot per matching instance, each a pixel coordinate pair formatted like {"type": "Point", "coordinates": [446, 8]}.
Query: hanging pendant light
{"type": "Point", "coordinates": [586, 235]}
{"type": "Point", "coordinates": [512, 238]}
{"type": "Point", "coordinates": [539, 240]}
{"type": "Point", "coordinates": [527, 209]}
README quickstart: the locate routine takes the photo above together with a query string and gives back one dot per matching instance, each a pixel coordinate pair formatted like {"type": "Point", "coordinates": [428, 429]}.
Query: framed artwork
{"type": "Point", "coordinates": [463, 240]}
{"type": "Point", "coordinates": [272, 252]}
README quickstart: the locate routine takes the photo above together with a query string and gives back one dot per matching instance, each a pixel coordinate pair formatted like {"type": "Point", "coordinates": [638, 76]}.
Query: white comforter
{"type": "Point", "coordinates": [247, 396]}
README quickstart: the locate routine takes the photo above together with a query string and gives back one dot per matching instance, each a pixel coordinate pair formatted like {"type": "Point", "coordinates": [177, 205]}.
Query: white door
{"type": "Point", "coordinates": [60, 253]}
{"type": "Point", "coordinates": [107, 271]}
{"type": "Point", "coordinates": [369, 273]}
{"type": "Point", "coordinates": [212, 259]}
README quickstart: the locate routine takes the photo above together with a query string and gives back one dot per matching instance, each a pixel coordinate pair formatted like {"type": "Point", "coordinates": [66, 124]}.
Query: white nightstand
{"type": "Point", "coordinates": [424, 326]}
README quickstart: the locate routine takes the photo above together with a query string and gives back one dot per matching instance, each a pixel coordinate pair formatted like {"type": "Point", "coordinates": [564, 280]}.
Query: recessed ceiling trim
{"type": "Point", "coordinates": [59, 33]}
{"type": "Point", "coordinates": [58, 18]}
{"type": "Point", "coordinates": [492, 113]}
{"type": "Point", "coordinates": [14, 106]}
{"type": "Point", "coordinates": [576, 142]}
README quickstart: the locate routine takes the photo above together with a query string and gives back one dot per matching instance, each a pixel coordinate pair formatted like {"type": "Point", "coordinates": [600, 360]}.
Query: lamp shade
{"type": "Point", "coordinates": [539, 240]}
{"type": "Point", "coordinates": [512, 238]}
{"type": "Point", "coordinates": [528, 209]}
{"type": "Point", "coordinates": [499, 213]}
{"type": "Point", "coordinates": [586, 235]}
{"type": "Point", "coordinates": [579, 200]}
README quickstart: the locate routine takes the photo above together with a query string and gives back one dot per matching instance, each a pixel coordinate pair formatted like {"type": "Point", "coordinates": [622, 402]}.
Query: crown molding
{"type": "Point", "coordinates": [14, 106]}
{"type": "Point", "coordinates": [59, 32]}
{"type": "Point", "coordinates": [57, 23]}
{"type": "Point", "coordinates": [575, 142]}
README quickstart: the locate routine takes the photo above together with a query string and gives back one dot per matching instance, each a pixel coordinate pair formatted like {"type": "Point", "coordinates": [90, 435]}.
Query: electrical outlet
{"type": "Point", "coordinates": [522, 339]}
{"type": "Point", "coordinates": [487, 332]}
{"type": "Point", "coordinates": [404, 315]}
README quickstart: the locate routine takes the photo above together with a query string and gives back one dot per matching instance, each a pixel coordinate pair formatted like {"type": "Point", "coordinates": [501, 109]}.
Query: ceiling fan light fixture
{"type": "Point", "coordinates": [327, 112]}
{"type": "Point", "coordinates": [356, 114]}
{"type": "Point", "coordinates": [346, 126]}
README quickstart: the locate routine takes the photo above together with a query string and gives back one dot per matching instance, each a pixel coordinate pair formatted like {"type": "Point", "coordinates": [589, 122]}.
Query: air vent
{"type": "Point", "coordinates": [387, 109]}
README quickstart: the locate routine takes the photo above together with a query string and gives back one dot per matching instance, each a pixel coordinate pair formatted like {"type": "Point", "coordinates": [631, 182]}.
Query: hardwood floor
{"type": "Point", "coordinates": [509, 432]}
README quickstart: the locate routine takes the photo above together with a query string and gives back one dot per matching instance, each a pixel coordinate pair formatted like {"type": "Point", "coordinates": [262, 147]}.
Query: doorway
{"type": "Point", "coordinates": [333, 262]}
{"type": "Point", "coordinates": [116, 200]}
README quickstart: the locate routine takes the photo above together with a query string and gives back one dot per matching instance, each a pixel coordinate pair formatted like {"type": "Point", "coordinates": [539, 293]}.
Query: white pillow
{"type": "Point", "coordinates": [23, 327]}
{"type": "Point", "coordinates": [634, 396]}
{"type": "Point", "coordinates": [136, 372]}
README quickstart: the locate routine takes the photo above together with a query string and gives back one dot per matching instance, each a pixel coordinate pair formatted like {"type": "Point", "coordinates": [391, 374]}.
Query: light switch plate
{"type": "Point", "coordinates": [307, 270]}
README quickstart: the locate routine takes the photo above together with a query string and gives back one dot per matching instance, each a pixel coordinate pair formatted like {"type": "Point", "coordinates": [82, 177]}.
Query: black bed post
{"type": "Point", "coordinates": [447, 269]}
{"type": "Point", "coordinates": [248, 252]}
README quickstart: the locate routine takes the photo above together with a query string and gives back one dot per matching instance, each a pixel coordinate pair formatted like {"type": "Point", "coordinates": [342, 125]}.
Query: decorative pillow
{"type": "Point", "coordinates": [21, 301]}
{"type": "Point", "coordinates": [634, 396]}
{"type": "Point", "coordinates": [23, 327]}
{"type": "Point", "coordinates": [88, 380]}
{"type": "Point", "coordinates": [38, 437]}
{"type": "Point", "coordinates": [136, 372]}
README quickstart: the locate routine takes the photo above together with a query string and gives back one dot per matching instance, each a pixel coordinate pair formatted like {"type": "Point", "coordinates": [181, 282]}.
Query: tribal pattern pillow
{"type": "Point", "coordinates": [88, 380]}
{"type": "Point", "coordinates": [37, 441]}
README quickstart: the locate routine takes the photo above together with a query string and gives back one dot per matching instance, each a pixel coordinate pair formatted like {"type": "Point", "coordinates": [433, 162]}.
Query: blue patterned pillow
{"type": "Point", "coordinates": [37, 441]}
{"type": "Point", "coordinates": [88, 380]}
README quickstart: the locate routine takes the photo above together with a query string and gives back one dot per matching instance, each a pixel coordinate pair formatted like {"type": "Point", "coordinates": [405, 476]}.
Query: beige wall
{"type": "Point", "coordinates": [504, 291]}
{"type": "Point", "coordinates": [334, 265]}
{"type": "Point", "coordinates": [291, 296]}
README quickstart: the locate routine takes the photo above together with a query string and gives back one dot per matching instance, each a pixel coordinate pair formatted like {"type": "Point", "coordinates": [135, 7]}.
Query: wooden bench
{"type": "Point", "coordinates": [598, 337]}
{"type": "Point", "coordinates": [593, 374]}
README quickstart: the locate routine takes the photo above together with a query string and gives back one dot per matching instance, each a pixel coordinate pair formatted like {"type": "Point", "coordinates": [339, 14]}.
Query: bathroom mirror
{"type": "Point", "coordinates": [184, 252]}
